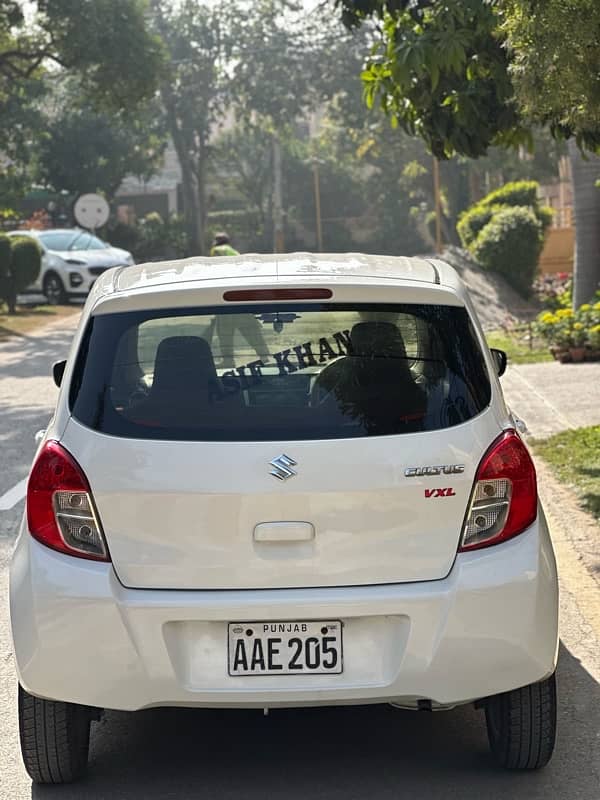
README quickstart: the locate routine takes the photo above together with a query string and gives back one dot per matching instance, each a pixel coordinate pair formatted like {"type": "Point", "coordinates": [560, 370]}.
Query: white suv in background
{"type": "Point", "coordinates": [282, 481]}
{"type": "Point", "coordinates": [72, 259]}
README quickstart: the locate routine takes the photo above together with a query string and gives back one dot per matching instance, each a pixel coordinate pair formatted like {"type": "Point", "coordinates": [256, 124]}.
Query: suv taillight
{"type": "Point", "coordinates": [60, 507]}
{"type": "Point", "coordinates": [504, 499]}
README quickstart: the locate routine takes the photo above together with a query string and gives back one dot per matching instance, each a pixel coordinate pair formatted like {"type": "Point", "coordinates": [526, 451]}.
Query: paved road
{"type": "Point", "coordinates": [553, 397]}
{"type": "Point", "coordinates": [344, 753]}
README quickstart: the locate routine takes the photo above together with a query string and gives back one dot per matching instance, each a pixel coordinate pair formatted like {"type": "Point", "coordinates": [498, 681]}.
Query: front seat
{"type": "Point", "coordinates": [185, 386]}
{"type": "Point", "coordinates": [373, 383]}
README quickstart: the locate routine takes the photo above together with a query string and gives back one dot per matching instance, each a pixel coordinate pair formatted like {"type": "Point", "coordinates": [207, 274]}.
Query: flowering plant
{"type": "Point", "coordinates": [594, 337]}
{"type": "Point", "coordinates": [566, 328]}
{"type": "Point", "coordinates": [554, 291]}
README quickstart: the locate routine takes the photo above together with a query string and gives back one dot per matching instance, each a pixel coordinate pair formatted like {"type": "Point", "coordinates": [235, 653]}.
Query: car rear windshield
{"type": "Point", "coordinates": [279, 372]}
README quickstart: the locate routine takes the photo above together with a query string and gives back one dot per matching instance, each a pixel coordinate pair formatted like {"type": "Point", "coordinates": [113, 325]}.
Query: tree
{"type": "Point", "coordinates": [105, 42]}
{"type": "Point", "coordinates": [282, 63]}
{"type": "Point", "coordinates": [468, 74]}
{"type": "Point", "coordinates": [556, 75]}
{"type": "Point", "coordinates": [244, 155]}
{"type": "Point", "coordinates": [440, 71]}
{"type": "Point", "coordinates": [194, 95]}
{"type": "Point", "coordinates": [85, 151]}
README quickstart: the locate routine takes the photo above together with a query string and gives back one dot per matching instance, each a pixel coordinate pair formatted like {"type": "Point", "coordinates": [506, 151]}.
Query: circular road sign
{"type": "Point", "coordinates": [91, 211]}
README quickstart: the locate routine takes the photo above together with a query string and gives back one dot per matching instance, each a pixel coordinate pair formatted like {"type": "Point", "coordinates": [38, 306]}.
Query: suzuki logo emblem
{"type": "Point", "coordinates": [282, 467]}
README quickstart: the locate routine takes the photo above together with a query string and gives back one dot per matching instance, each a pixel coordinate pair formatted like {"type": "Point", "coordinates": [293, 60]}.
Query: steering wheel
{"type": "Point", "coordinates": [332, 372]}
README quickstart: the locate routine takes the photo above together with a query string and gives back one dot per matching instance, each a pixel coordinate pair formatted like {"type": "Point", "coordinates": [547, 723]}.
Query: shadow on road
{"type": "Point", "coordinates": [27, 396]}
{"type": "Point", "coordinates": [32, 356]}
{"type": "Point", "coordinates": [364, 752]}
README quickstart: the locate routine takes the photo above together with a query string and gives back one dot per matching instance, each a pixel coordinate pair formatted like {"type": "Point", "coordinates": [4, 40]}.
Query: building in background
{"type": "Point", "coordinates": [559, 248]}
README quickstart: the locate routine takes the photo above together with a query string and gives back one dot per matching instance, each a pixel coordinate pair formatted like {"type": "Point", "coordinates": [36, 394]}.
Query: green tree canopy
{"type": "Point", "coordinates": [468, 74]}
{"type": "Point", "coordinates": [106, 42]}
{"type": "Point", "coordinates": [80, 150]}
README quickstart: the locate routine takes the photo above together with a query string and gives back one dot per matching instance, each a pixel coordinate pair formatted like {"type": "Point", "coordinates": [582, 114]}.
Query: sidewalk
{"type": "Point", "coordinates": [552, 397]}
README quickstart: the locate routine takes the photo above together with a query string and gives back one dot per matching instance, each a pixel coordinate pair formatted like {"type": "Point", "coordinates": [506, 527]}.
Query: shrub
{"type": "Point", "coordinates": [473, 221]}
{"type": "Point", "coordinates": [152, 238]}
{"type": "Point", "coordinates": [493, 212]}
{"type": "Point", "coordinates": [511, 244]}
{"type": "Point", "coordinates": [554, 291]}
{"type": "Point", "coordinates": [517, 193]}
{"type": "Point", "coordinates": [20, 270]}
{"type": "Point", "coordinates": [123, 235]}
{"type": "Point", "coordinates": [161, 238]}
{"type": "Point", "coordinates": [4, 256]}
{"type": "Point", "coordinates": [566, 328]}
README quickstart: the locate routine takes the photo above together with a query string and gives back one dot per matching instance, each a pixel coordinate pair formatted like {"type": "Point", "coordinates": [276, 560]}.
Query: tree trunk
{"type": "Point", "coordinates": [586, 201]}
{"type": "Point", "coordinates": [193, 208]}
{"type": "Point", "coordinates": [200, 196]}
{"type": "Point", "coordinates": [278, 238]}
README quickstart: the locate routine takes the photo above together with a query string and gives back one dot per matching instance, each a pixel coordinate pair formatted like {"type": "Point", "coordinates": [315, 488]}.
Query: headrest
{"type": "Point", "coordinates": [377, 339]}
{"type": "Point", "coordinates": [184, 365]}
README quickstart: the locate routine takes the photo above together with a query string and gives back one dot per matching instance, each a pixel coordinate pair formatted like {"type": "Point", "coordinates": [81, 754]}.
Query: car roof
{"type": "Point", "coordinates": [36, 232]}
{"type": "Point", "coordinates": [276, 268]}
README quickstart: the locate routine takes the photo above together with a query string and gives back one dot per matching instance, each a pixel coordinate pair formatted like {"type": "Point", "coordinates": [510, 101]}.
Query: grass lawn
{"type": "Point", "coordinates": [575, 458]}
{"type": "Point", "coordinates": [28, 318]}
{"type": "Point", "coordinates": [517, 347]}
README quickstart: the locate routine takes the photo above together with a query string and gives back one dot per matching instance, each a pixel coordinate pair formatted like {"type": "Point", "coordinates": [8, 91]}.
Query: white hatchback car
{"type": "Point", "coordinates": [72, 259]}
{"type": "Point", "coordinates": [282, 481]}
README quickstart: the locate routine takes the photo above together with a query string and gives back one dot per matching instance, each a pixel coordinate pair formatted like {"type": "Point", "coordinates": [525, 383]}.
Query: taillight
{"type": "Point", "coordinates": [504, 500]}
{"type": "Point", "coordinates": [245, 295]}
{"type": "Point", "coordinates": [60, 508]}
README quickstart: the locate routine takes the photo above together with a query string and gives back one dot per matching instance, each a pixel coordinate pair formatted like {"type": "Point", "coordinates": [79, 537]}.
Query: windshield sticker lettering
{"type": "Point", "coordinates": [288, 361]}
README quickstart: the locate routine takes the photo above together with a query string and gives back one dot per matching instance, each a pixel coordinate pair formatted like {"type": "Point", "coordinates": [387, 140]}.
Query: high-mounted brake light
{"type": "Point", "coordinates": [504, 500]}
{"type": "Point", "coordinates": [245, 295]}
{"type": "Point", "coordinates": [60, 507]}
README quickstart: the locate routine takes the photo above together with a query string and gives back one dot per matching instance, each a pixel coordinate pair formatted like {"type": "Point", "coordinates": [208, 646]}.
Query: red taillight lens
{"type": "Point", "coordinates": [60, 508]}
{"type": "Point", "coordinates": [504, 501]}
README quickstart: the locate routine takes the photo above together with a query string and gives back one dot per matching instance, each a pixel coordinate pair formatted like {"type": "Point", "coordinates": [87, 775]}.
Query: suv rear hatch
{"type": "Point", "coordinates": [281, 444]}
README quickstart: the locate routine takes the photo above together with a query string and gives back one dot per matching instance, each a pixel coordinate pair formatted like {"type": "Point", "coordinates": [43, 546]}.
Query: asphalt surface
{"type": "Point", "coordinates": [553, 397]}
{"type": "Point", "coordinates": [375, 752]}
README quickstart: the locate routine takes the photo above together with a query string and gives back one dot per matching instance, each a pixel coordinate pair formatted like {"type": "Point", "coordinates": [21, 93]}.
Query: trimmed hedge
{"type": "Point", "coordinates": [20, 270]}
{"type": "Point", "coordinates": [491, 213]}
{"type": "Point", "coordinates": [517, 193]}
{"type": "Point", "coordinates": [511, 244]}
{"type": "Point", "coordinates": [473, 221]}
{"type": "Point", "coordinates": [4, 256]}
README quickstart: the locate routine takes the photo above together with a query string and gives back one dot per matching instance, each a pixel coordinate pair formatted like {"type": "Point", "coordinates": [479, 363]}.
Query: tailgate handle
{"type": "Point", "coordinates": [284, 532]}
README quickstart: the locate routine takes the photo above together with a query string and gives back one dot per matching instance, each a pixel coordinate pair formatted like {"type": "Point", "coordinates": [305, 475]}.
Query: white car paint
{"type": "Point", "coordinates": [421, 621]}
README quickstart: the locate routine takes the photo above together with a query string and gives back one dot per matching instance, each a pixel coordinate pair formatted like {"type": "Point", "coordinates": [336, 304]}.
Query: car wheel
{"type": "Point", "coordinates": [522, 725]}
{"type": "Point", "coordinates": [54, 289]}
{"type": "Point", "coordinates": [54, 738]}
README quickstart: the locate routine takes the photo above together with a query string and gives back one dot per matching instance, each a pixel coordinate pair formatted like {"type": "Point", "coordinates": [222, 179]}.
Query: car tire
{"type": "Point", "coordinates": [521, 725]}
{"type": "Point", "coordinates": [54, 737]}
{"type": "Point", "coordinates": [54, 289]}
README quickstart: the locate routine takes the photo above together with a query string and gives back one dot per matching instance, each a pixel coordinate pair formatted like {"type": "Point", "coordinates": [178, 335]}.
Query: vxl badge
{"type": "Point", "coordinates": [282, 467]}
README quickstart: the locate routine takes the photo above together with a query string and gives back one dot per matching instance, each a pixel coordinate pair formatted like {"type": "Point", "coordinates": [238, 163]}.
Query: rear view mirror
{"type": "Point", "coordinates": [58, 370]}
{"type": "Point", "coordinates": [500, 359]}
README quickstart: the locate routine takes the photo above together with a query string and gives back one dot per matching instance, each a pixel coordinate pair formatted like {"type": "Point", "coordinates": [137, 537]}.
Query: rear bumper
{"type": "Point", "coordinates": [490, 626]}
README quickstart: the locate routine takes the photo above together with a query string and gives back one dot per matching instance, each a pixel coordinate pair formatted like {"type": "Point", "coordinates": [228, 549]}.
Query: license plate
{"type": "Point", "coordinates": [285, 648]}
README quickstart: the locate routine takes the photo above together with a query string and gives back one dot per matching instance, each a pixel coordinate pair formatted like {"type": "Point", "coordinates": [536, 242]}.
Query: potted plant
{"type": "Point", "coordinates": [577, 339]}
